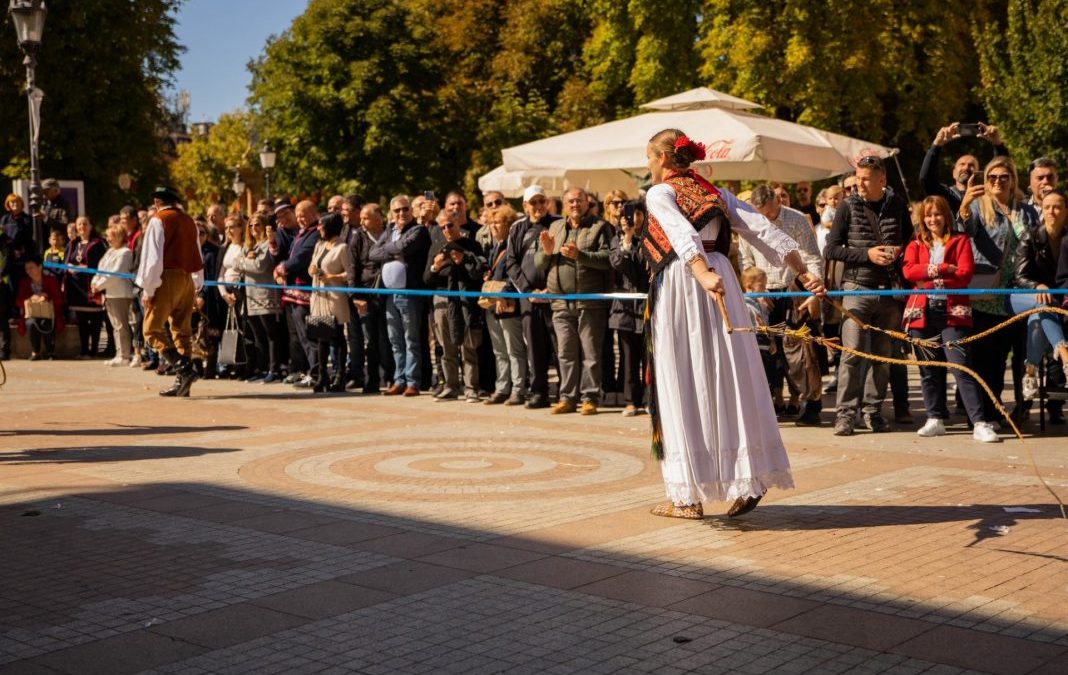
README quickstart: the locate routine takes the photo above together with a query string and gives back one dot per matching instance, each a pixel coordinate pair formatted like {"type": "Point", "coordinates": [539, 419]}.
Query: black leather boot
{"type": "Point", "coordinates": [186, 374]}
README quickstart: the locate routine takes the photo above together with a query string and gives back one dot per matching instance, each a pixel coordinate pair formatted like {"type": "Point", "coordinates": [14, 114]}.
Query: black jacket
{"type": "Point", "coordinates": [412, 247]}
{"type": "Point", "coordinates": [852, 235]}
{"type": "Point", "coordinates": [466, 276]}
{"type": "Point", "coordinates": [368, 272]}
{"type": "Point", "coordinates": [519, 258]}
{"type": "Point", "coordinates": [632, 275]}
{"type": "Point", "coordinates": [1036, 261]}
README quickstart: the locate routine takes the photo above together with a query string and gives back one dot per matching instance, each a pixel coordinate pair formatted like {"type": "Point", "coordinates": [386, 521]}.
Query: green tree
{"type": "Point", "coordinates": [347, 98]}
{"type": "Point", "coordinates": [103, 65]}
{"type": "Point", "coordinates": [893, 73]}
{"type": "Point", "coordinates": [665, 58]}
{"type": "Point", "coordinates": [1024, 69]}
{"type": "Point", "coordinates": [205, 167]}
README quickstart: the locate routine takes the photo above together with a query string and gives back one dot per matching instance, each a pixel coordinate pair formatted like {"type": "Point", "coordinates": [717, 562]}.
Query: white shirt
{"type": "Point", "coordinates": [230, 270]}
{"type": "Point", "coordinates": [769, 240]}
{"type": "Point", "coordinates": [150, 272]}
{"type": "Point", "coordinates": [394, 273]}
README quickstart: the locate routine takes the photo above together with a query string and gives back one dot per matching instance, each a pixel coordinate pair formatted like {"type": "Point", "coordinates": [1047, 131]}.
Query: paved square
{"type": "Point", "coordinates": [260, 529]}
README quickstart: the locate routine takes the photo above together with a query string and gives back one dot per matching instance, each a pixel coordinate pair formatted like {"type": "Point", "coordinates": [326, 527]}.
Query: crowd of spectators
{"type": "Point", "coordinates": [982, 230]}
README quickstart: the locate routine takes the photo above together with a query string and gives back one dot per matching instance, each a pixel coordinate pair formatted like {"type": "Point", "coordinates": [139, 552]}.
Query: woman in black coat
{"type": "Point", "coordinates": [1038, 255]}
{"type": "Point", "coordinates": [626, 318]}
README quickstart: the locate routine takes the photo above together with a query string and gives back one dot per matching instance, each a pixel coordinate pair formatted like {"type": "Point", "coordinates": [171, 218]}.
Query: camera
{"type": "Point", "coordinates": [429, 194]}
{"type": "Point", "coordinates": [969, 128]}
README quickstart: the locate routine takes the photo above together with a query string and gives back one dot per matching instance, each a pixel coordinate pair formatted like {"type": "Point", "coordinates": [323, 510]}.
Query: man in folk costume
{"type": "Point", "coordinates": [713, 420]}
{"type": "Point", "coordinates": [171, 272]}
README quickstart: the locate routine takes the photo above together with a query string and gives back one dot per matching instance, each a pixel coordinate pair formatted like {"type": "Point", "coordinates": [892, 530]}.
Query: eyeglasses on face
{"type": "Point", "coordinates": [447, 226]}
{"type": "Point", "coordinates": [402, 209]}
{"type": "Point", "coordinates": [617, 202]}
{"type": "Point", "coordinates": [1002, 178]}
{"type": "Point", "coordinates": [848, 188]}
{"type": "Point", "coordinates": [495, 203]}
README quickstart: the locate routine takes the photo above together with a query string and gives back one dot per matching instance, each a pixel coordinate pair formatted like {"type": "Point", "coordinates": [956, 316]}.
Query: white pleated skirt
{"type": "Point", "coordinates": [721, 438]}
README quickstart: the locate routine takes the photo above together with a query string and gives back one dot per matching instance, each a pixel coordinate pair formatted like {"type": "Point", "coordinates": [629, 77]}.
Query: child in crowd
{"type": "Point", "coordinates": [755, 280]}
{"type": "Point", "coordinates": [57, 251]}
{"type": "Point", "coordinates": [118, 292]}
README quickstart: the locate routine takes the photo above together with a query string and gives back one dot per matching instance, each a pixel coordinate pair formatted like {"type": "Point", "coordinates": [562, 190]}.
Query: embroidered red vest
{"type": "Point", "coordinates": [702, 204]}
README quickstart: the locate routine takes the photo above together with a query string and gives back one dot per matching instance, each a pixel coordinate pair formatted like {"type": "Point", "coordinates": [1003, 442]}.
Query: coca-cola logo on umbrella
{"type": "Point", "coordinates": [719, 149]}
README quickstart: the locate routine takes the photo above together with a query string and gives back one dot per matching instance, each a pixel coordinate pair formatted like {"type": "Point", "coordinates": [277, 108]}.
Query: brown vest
{"type": "Point", "coordinates": [181, 245]}
{"type": "Point", "coordinates": [701, 205]}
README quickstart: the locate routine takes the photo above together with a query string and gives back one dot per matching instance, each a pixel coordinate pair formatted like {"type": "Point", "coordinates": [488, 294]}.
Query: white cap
{"type": "Point", "coordinates": [531, 191]}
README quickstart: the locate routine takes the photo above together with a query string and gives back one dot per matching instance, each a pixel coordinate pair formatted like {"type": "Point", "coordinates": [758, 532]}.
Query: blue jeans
{"type": "Point", "coordinates": [404, 320]}
{"type": "Point", "coordinates": [1044, 330]}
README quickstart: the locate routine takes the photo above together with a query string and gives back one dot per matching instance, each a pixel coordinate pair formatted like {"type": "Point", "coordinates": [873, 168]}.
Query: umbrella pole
{"type": "Point", "coordinates": [904, 183]}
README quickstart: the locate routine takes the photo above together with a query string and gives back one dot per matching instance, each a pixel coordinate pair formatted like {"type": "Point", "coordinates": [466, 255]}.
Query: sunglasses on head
{"type": "Point", "coordinates": [870, 162]}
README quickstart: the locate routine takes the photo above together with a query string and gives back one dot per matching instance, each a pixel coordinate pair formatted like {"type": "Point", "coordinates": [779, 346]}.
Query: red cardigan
{"type": "Point", "coordinates": [50, 286]}
{"type": "Point", "coordinates": [919, 270]}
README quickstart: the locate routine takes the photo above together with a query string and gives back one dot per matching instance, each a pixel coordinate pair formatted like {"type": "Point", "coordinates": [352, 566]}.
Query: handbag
{"type": "Point", "coordinates": [492, 286]}
{"type": "Point", "coordinates": [231, 336]}
{"type": "Point", "coordinates": [39, 309]}
{"type": "Point", "coordinates": [320, 328]}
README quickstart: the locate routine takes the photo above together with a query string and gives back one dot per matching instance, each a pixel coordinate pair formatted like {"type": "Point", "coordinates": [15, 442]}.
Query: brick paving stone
{"type": "Point", "coordinates": [180, 514]}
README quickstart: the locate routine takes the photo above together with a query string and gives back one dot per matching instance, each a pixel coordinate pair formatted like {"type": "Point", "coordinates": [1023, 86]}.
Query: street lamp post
{"type": "Point", "coordinates": [238, 185]}
{"type": "Point", "coordinates": [267, 159]}
{"type": "Point", "coordinates": [29, 19]}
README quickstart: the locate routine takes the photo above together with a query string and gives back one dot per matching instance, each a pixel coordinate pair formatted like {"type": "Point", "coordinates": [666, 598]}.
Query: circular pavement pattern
{"type": "Point", "coordinates": [437, 470]}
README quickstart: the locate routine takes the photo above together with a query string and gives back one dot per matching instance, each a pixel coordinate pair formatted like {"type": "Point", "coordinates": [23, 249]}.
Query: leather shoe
{"type": "Point", "coordinates": [535, 402]}
{"type": "Point", "coordinates": [411, 391]}
{"type": "Point", "coordinates": [395, 390]}
{"type": "Point", "coordinates": [743, 505]}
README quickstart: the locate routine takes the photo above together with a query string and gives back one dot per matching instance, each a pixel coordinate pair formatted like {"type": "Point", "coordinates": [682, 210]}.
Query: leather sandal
{"type": "Point", "coordinates": [688, 512]}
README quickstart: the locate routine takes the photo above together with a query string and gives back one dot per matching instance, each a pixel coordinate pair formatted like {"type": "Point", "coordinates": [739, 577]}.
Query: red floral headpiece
{"type": "Point", "coordinates": [696, 149]}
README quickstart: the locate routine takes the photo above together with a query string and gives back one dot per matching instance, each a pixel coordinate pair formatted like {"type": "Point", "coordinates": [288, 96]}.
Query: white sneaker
{"type": "Point", "coordinates": [933, 427]}
{"type": "Point", "coordinates": [135, 360]}
{"type": "Point", "coordinates": [984, 433]}
{"type": "Point", "coordinates": [117, 361]}
{"type": "Point", "coordinates": [1030, 387]}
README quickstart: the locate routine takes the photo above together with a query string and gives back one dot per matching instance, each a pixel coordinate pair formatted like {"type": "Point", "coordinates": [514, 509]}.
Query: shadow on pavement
{"type": "Point", "coordinates": [105, 453]}
{"type": "Point", "coordinates": [140, 577]}
{"type": "Point", "coordinates": [121, 430]}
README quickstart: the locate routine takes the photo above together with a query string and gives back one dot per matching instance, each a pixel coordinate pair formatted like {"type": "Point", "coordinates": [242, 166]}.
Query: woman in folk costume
{"type": "Point", "coordinates": [714, 425]}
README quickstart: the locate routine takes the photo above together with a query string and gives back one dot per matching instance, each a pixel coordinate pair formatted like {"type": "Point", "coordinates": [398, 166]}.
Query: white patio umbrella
{"type": "Point", "coordinates": [555, 181]}
{"type": "Point", "coordinates": [741, 145]}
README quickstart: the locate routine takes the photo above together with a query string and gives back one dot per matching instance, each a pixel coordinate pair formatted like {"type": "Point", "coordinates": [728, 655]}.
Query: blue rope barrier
{"type": "Point", "coordinates": [575, 297]}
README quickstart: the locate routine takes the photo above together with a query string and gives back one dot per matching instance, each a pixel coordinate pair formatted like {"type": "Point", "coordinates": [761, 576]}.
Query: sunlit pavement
{"type": "Point", "coordinates": [262, 529]}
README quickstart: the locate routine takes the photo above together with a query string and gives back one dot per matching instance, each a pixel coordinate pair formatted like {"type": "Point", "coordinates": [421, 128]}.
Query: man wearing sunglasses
{"type": "Point", "coordinates": [524, 240]}
{"type": "Point", "coordinates": [963, 168]}
{"type": "Point", "coordinates": [402, 252]}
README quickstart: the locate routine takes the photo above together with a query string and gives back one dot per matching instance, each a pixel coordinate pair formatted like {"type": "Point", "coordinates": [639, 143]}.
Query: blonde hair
{"type": "Point", "coordinates": [608, 199]}
{"type": "Point", "coordinates": [239, 218]}
{"type": "Point", "coordinates": [832, 191]}
{"type": "Point", "coordinates": [118, 230]}
{"type": "Point", "coordinates": [754, 274]}
{"type": "Point", "coordinates": [502, 215]}
{"type": "Point", "coordinates": [986, 202]}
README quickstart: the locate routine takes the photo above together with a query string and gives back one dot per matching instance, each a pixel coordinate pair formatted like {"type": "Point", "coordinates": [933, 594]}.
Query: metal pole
{"type": "Point", "coordinates": [267, 184]}
{"type": "Point", "coordinates": [33, 97]}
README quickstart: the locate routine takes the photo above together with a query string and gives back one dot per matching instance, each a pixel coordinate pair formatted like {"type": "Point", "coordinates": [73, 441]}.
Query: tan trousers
{"type": "Point", "coordinates": [173, 302]}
